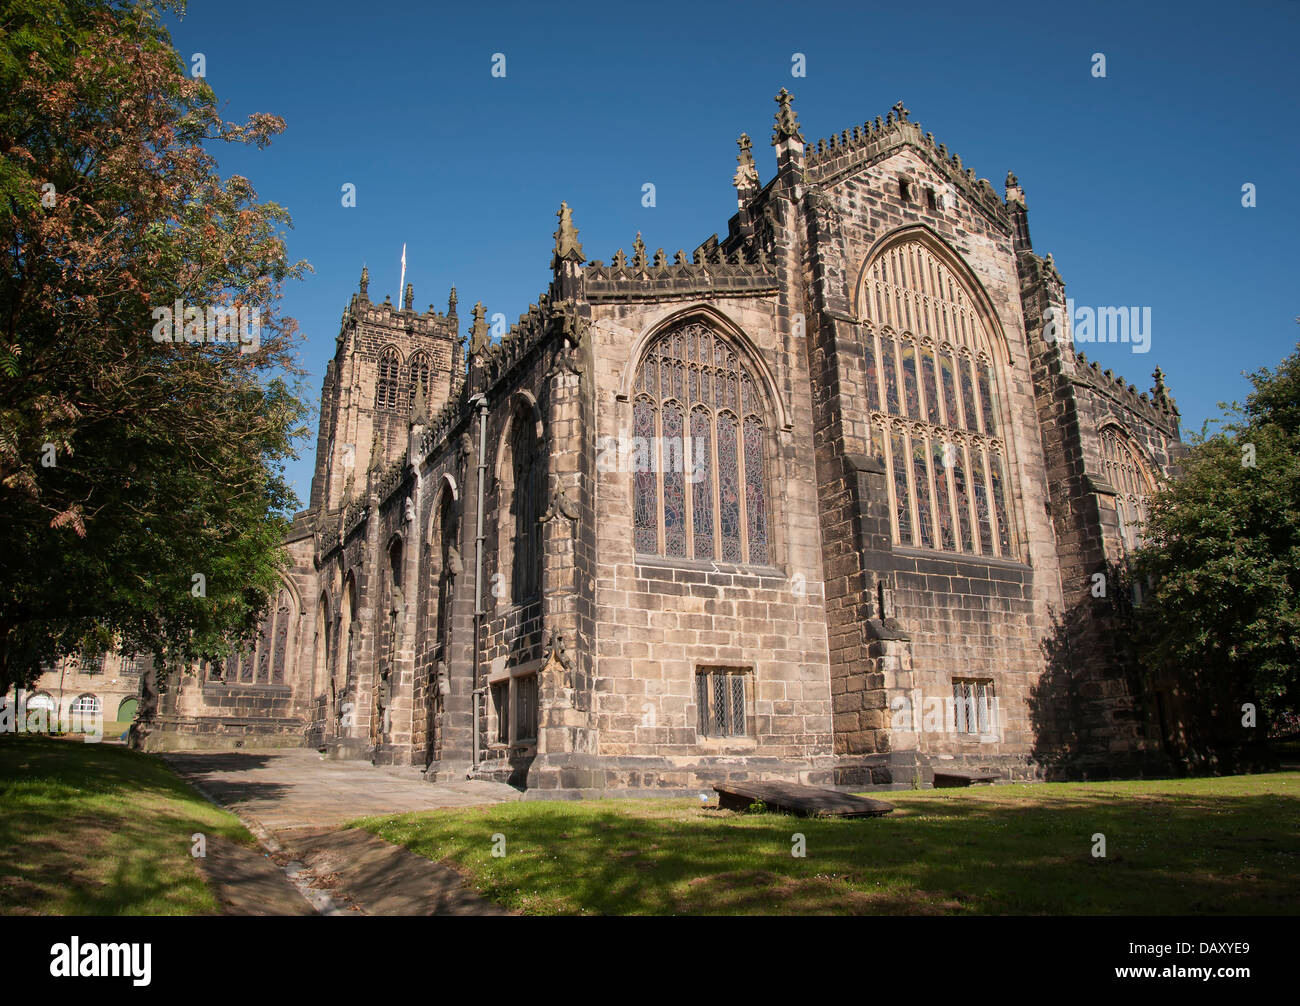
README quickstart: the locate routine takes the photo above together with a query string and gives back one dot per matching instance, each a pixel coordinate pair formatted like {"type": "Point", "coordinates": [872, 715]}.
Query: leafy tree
{"type": "Point", "coordinates": [128, 465]}
{"type": "Point", "coordinates": [1222, 555]}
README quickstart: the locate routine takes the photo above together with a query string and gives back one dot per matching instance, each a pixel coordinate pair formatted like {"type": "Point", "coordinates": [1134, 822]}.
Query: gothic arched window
{"type": "Point", "coordinates": [447, 542]}
{"type": "Point", "coordinates": [699, 482]}
{"type": "Point", "coordinates": [320, 668]}
{"type": "Point", "coordinates": [387, 383]}
{"type": "Point", "coordinates": [417, 371]}
{"type": "Point", "coordinates": [934, 415]}
{"type": "Point", "coordinates": [280, 658]}
{"type": "Point", "coordinates": [528, 467]}
{"type": "Point", "coordinates": [269, 657]}
{"type": "Point", "coordinates": [1130, 476]}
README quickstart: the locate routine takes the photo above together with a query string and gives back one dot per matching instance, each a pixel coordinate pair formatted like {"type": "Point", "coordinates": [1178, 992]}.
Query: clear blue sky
{"type": "Point", "coordinates": [1133, 181]}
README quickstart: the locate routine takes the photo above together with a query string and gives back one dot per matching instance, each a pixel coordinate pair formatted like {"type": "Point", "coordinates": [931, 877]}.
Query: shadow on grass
{"type": "Point", "coordinates": [97, 830]}
{"type": "Point", "coordinates": [1185, 854]}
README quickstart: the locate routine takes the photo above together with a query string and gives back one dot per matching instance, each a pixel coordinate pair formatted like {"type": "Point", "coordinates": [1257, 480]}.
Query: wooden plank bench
{"type": "Point", "coordinates": [805, 801]}
{"type": "Point", "coordinates": [949, 777]}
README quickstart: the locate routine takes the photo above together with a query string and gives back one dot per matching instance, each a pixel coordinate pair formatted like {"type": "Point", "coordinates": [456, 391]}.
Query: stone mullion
{"type": "Point", "coordinates": [890, 483]}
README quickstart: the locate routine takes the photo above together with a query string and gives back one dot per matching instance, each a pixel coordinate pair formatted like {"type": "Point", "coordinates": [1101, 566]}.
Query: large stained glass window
{"type": "Point", "coordinates": [699, 480]}
{"type": "Point", "coordinates": [947, 467]}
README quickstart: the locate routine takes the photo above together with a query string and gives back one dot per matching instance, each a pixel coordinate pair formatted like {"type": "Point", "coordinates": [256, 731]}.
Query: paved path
{"type": "Point", "coordinates": [367, 876]}
{"type": "Point", "coordinates": [296, 803]}
{"type": "Point", "coordinates": [297, 788]}
{"type": "Point", "coordinates": [247, 881]}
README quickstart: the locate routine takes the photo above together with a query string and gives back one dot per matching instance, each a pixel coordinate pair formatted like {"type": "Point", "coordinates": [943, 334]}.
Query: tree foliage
{"type": "Point", "coordinates": [167, 458]}
{"type": "Point", "coordinates": [1222, 555]}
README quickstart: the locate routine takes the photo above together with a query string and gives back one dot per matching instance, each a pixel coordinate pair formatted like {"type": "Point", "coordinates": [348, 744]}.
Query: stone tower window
{"type": "Point", "coordinates": [935, 418]}
{"type": "Point", "coordinates": [418, 376]}
{"type": "Point", "coordinates": [386, 386]}
{"type": "Point", "coordinates": [697, 452]}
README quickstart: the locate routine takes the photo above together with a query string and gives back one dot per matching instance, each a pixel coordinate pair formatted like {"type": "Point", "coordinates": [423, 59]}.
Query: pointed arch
{"type": "Point", "coordinates": [867, 306]}
{"type": "Point", "coordinates": [444, 539]}
{"type": "Point", "coordinates": [703, 443]}
{"type": "Point", "coordinates": [746, 352]}
{"type": "Point", "coordinates": [1133, 474]}
{"type": "Point", "coordinates": [522, 473]}
{"type": "Point", "coordinates": [388, 378]}
{"type": "Point", "coordinates": [341, 680]}
{"type": "Point", "coordinates": [321, 644]}
{"type": "Point", "coordinates": [418, 371]}
{"type": "Point", "coordinates": [937, 360]}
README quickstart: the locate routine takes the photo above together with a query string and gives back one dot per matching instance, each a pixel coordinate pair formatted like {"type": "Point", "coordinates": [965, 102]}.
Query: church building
{"type": "Point", "coordinates": [827, 499]}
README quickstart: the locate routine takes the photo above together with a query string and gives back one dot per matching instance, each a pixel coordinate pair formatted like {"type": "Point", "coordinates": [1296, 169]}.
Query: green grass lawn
{"type": "Point", "coordinates": [1225, 845]}
{"type": "Point", "coordinates": [93, 829]}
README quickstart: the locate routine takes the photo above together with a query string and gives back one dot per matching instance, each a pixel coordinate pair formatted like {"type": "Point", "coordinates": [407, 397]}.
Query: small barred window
{"type": "Point", "coordinates": [975, 708]}
{"type": "Point", "coordinates": [722, 698]}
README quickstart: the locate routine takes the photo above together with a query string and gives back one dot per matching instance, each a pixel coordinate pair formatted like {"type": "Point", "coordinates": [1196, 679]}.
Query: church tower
{"type": "Point", "coordinates": [389, 363]}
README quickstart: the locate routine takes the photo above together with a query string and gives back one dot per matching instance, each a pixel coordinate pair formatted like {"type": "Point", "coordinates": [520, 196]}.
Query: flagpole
{"type": "Point", "coordinates": [401, 286]}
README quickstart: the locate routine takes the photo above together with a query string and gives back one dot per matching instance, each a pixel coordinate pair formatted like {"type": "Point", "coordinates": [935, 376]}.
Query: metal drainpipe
{"type": "Point", "coordinates": [476, 695]}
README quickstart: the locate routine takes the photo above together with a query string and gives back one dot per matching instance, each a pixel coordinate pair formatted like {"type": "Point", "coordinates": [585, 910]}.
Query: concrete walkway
{"type": "Point", "coordinates": [296, 803]}
{"type": "Point", "coordinates": [297, 788]}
